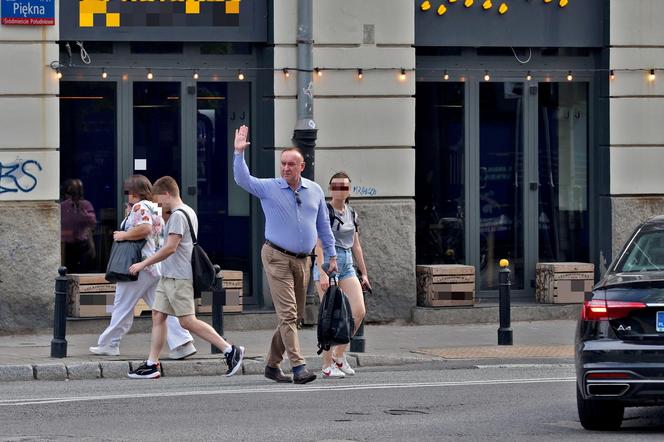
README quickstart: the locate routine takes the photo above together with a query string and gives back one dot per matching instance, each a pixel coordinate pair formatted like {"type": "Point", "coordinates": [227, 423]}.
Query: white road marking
{"type": "Point", "coordinates": [279, 389]}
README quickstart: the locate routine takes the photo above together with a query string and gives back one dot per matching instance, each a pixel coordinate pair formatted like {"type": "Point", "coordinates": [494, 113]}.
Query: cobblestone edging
{"type": "Point", "coordinates": [61, 371]}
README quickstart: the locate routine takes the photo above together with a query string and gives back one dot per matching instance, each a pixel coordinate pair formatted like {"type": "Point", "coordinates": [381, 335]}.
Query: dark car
{"type": "Point", "coordinates": [620, 336]}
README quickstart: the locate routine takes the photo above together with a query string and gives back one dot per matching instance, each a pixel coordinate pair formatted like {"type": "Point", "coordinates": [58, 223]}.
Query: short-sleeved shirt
{"type": "Point", "coordinates": [344, 231]}
{"type": "Point", "coordinates": [178, 265]}
{"type": "Point", "coordinates": [146, 212]}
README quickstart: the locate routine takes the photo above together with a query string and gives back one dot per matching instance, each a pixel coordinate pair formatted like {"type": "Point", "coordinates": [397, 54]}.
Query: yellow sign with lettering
{"type": "Point", "coordinates": [88, 9]}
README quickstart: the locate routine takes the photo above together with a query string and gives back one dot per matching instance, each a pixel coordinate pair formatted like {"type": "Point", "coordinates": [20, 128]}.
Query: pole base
{"type": "Point", "coordinates": [505, 336]}
{"type": "Point", "coordinates": [357, 344]}
{"type": "Point", "coordinates": [58, 348]}
{"type": "Point", "coordinates": [310, 314]}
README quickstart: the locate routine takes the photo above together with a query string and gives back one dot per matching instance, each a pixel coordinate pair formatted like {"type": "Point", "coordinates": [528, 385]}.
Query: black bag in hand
{"type": "Point", "coordinates": [201, 266]}
{"type": "Point", "coordinates": [124, 254]}
{"type": "Point", "coordinates": [335, 318]}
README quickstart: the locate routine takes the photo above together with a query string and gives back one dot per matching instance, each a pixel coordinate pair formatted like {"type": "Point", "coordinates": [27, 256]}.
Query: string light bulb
{"type": "Point", "coordinates": [487, 77]}
{"type": "Point", "coordinates": [570, 77]}
{"type": "Point", "coordinates": [150, 76]}
{"type": "Point", "coordinates": [612, 75]}
{"type": "Point", "coordinates": [58, 73]}
{"type": "Point", "coordinates": [240, 76]}
{"type": "Point", "coordinates": [196, 76]}
{"type": "Point", "coordinates": [446, 76]}
{"type": "Point", "coordinates": [104, 74]}
{"type": "Point", "coordinates": [286, 73]}
{"type": "Point", "coordinates": [360, 74]}
{"type": "Point", "coordinates": [319, 72]}
{"type": "Point", "coordinates": [402, 76]}
{"type": "Point", "coordinates": [652, 75]}
{"type": "Point", "coordinates": [529, 76]}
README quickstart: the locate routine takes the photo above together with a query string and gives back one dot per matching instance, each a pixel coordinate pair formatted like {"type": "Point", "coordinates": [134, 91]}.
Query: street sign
{"type": "Point", "coordinates": [28, 12]}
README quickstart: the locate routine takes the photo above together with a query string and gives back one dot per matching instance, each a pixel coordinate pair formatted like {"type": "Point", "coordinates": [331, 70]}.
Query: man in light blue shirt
{"type": "Point", "coordinates": [295, 216]}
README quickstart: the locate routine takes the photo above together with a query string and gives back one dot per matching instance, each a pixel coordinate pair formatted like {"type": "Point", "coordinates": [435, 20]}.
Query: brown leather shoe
{"type": "Point", "coordinates": [277, 375]}
{"type": "Point", "coordinates": [305, 376]}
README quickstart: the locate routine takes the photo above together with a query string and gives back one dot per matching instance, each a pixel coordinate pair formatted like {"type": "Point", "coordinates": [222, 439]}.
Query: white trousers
{"type": "Point", "coordinates": [127, 295]}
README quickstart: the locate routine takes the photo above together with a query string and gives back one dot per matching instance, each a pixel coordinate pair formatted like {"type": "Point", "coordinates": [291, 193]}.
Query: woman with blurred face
{"type": "Point", "coordinates": [345, 228]}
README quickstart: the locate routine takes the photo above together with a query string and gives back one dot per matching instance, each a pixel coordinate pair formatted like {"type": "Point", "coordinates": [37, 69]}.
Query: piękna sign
{"type": "Point", "coordinates": [28, 12]}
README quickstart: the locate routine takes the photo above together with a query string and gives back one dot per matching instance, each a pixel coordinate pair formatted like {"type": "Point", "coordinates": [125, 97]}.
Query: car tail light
{"type": "Point", "coordinates": [598, 310]}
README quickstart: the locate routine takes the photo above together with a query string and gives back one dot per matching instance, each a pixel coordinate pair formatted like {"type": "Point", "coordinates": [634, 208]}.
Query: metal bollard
{"type": "Point", "coordinates": [357, 342]}
{"type": "Point", "coordinates": [505, 330]}
{"type": "Point", "coordinates": [218, 303]}
{"type": "Point", "coordinates": [59, 343]}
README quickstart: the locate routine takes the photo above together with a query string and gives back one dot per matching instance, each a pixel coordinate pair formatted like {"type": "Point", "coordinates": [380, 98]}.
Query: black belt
{"type": "Point", "coordinates": [287, 252]}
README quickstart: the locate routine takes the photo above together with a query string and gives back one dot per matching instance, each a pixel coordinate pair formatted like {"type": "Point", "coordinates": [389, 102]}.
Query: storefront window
{"type": "Point", "coordinates": [440, 173]}
{"type": "Point", "coordinates": [88, 133]}
{"type": "Point", "coordinates": [563, 172]}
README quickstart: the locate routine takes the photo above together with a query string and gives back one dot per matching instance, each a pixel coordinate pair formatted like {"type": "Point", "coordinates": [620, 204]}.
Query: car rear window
{"type": "Point", "coordinates": [645, 253]}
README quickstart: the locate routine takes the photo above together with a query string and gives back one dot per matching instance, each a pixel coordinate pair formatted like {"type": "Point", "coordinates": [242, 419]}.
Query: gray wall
{"type": "Point", "coordinates": [30, 257]}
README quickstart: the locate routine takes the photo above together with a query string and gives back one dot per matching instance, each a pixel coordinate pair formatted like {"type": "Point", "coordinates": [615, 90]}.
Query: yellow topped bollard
{"type": "Point", "coordinates": [504, 307]}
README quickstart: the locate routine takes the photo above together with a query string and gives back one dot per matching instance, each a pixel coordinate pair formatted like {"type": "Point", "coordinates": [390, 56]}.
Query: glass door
{"type": "Point", "coordinates": [157, 129]}
{"type": "Point", "coordinates": [501, 182]}
{"type": "Point", "coordinates": [223, 207]}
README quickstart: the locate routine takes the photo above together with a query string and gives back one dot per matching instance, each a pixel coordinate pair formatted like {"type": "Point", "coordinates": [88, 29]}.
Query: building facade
{"type": "Point", "coordinates": [470, 133]}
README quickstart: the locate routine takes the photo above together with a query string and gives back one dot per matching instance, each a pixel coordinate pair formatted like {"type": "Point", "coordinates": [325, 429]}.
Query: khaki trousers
{"type": "Point", "coordinates": [288, 278]}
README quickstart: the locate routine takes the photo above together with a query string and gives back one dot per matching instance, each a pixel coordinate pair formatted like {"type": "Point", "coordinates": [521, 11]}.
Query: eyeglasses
{"type": "Point", "coordinates": [298, 200]}
{"type": "Point", "coordinates": [339, 187]}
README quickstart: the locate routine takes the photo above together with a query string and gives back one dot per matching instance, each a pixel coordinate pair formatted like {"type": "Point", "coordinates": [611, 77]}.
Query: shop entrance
{"type": "Point", "coordinates": [502, 172]}
{"type": "Point", "coordinates": [172, 126]}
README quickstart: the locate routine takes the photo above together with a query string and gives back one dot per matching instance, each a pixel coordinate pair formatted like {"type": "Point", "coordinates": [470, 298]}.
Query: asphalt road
{"type": "Point", "coordinates": [509, 402]}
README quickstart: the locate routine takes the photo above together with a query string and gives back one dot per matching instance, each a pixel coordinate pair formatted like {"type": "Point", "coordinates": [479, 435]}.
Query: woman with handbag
{"type": "Point", "coordinates": [345, 227]}
{"type": "Point", "coordinates": [142, 223]}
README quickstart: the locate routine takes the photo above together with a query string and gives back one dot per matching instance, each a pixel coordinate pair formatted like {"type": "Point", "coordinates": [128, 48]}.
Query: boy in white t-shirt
{"type": "Point", "coordinates": [175, 292]}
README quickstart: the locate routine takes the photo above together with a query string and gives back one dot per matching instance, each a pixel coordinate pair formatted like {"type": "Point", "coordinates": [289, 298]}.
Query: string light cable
{"type": "Point", "coordinates": [439, 72]}
{"type": "Point", "coordinates": [530, 56]}
{"type": "Point", "coordinates": [85, 57]}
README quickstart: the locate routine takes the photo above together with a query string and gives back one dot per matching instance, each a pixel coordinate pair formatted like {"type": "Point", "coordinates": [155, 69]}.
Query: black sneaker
{"type": "Point", "coordinates": [145, 371]}
{"type": "Point", "coordinates": [234, 359]}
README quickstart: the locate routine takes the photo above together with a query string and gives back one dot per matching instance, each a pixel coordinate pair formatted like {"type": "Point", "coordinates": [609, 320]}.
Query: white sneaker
{"type": "Point", "coordinates": [343, 365]}
{"type": "Point", "coordinates": [332, 372]}
{"type": "Point", "coordinates": [105, 350]}
{"type": "Point", "coordinates": [183, 351]}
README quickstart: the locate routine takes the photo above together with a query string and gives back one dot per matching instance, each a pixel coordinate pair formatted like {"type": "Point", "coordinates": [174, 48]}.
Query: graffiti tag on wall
{"type": "Point", "coordinates": [364, 191]}
{"type": "Point", "coordinates": [19, 176]}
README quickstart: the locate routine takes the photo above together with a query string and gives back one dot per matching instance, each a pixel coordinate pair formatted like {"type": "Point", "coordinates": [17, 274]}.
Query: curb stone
{"type": "Point", "coordinates": [16, 373]}
{"type": "Point", "coordinates": [83, 370]}
{"type": "Point", "coordinates": [193, 368]}
{"type": "Point", "coordinates": [50, 372]}
{"type": "Point", "coordinates": [114, 369]}
{"type": "Point", "coordinates": [250, 366]}
{"type": "Point", "coordinates": [365, 360]}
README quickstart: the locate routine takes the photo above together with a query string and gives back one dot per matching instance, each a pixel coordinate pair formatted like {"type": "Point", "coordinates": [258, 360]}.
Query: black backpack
{"type": "Point", "coordinates": [201, 266]}
{"type": "Point", "coordinates": [335, 318]}
{"type": "Point", "coordinates": [334, 217]}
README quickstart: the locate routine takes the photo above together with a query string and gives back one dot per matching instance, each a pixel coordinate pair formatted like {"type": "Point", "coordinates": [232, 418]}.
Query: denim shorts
{"type": "Point", "coordinates": [344, 263]}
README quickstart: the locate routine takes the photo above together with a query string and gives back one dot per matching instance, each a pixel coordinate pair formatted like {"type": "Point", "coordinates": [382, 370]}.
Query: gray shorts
{"type": "Point", "coordinates": [174, 297]}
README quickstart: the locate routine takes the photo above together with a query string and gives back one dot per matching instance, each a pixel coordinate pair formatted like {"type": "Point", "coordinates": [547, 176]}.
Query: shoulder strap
{"type": "Point", "coordinates": [191, 228]}
{"type": "Point", "coordinates": [333, 216]}
{"type": "Point", "coordinates": [353, 215]}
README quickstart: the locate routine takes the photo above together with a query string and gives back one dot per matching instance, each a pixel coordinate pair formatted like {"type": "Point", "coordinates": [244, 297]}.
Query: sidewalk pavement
{"type": "Point", "coordinates": [27, 357]}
